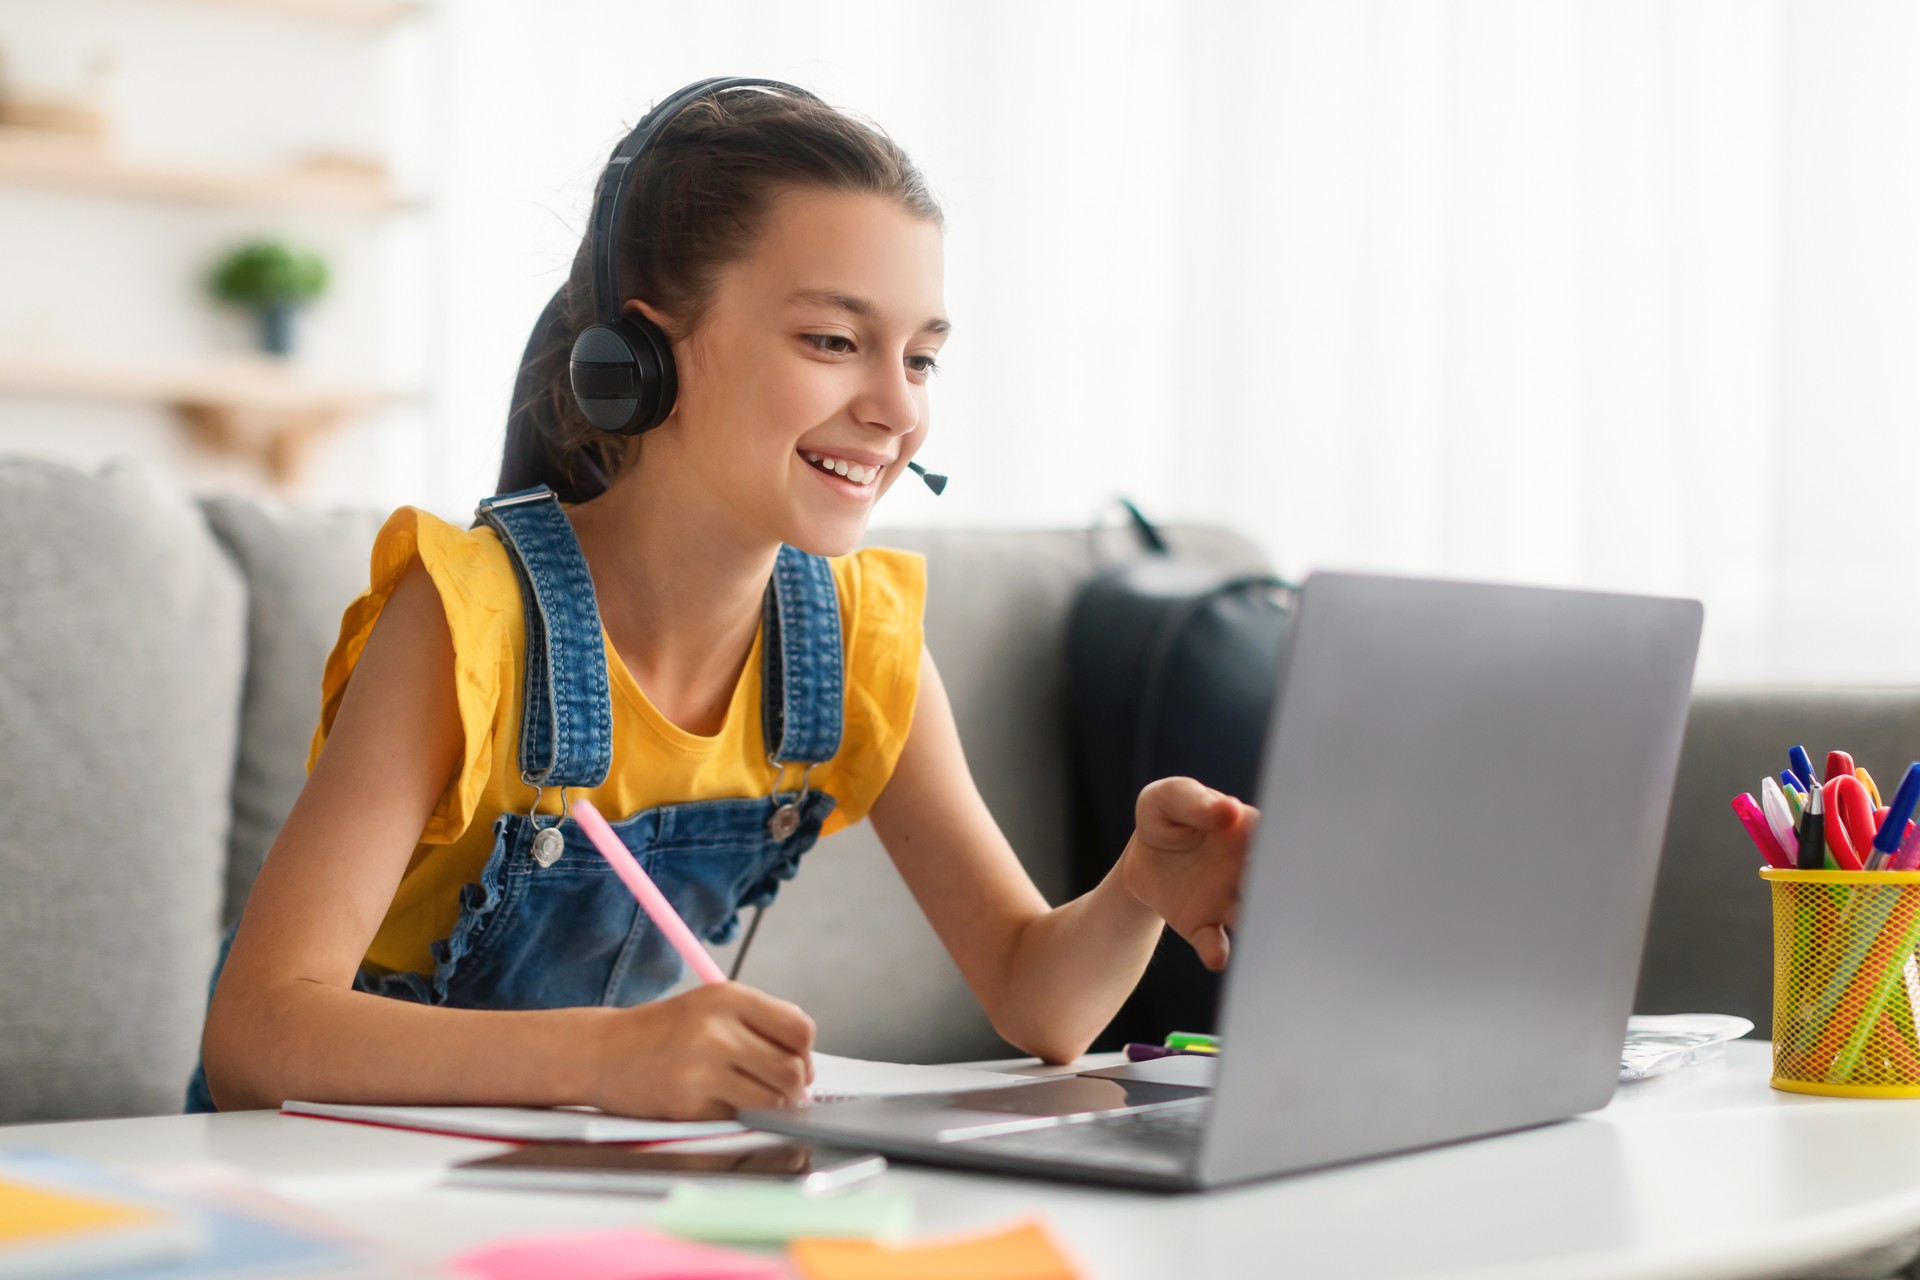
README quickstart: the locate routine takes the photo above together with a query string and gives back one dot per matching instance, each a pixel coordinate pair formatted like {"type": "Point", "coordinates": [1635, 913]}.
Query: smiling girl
{"type": "Point", "coordinates": [671, 621]}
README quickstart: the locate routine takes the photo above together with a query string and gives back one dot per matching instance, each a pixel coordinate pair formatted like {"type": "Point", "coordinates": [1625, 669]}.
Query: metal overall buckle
{"type": "Point", "coordinates": [548, 843]}
{"type": "Point", "coordinates": [786, 818]}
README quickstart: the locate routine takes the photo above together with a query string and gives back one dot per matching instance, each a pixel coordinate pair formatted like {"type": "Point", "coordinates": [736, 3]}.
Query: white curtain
{"type": "Point", "coordinates": [1584, 292]}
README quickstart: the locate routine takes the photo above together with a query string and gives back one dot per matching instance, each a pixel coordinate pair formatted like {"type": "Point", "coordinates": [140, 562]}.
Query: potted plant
{"type": "Point", "coordinates": [273, 280]}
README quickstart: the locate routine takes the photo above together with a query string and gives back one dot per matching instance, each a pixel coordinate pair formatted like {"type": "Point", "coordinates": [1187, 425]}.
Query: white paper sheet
{"type": "Point", "coordinates": [835, 1078]}
{"type": "Point", "coordinates": [517, 1124]}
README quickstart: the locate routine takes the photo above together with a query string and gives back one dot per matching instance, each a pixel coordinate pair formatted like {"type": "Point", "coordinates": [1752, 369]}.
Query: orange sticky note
{"type": "Point", "coordinates": [35, 1215]}
{"type": "Point", "coordinates": [1023, 1251]}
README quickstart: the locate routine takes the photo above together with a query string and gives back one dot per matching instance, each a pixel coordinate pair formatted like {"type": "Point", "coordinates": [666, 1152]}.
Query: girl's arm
{"type": "Point", "coordinates": [285, 1022]}
{"type": "Point", "coordinates": [1050, 980]}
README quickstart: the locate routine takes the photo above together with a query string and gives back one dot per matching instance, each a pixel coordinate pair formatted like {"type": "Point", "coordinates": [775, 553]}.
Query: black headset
{"type": "Point", "coordinates": [621, 369]}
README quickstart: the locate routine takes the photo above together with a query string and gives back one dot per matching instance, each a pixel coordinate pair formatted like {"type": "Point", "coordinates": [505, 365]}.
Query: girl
{"type": "Point", "coordinates": [675, 624]}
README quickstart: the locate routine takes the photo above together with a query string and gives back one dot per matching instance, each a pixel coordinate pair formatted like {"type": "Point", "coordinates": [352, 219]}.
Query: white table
{"type": "Point", "coordinates": [1704, 1173]}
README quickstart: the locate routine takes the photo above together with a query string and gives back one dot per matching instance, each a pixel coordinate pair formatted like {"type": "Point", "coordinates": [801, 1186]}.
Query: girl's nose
{"type": "Point", "coordinates": [888, 400]}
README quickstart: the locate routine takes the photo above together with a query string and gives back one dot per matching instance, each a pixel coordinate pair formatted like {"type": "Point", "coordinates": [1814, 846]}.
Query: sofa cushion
{"type": "Point", "coordinates": [121, 648]}
{"type": "Point", "coordinates": [303, 568]}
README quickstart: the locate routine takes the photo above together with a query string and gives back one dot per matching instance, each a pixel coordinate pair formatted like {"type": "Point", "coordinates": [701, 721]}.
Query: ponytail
{"type": "Point", "coordinates": [536, 451]}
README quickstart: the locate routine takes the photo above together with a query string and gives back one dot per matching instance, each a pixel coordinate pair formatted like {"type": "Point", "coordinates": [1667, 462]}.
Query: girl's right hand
{"type": "Point", "coordinates": [703, 1055]}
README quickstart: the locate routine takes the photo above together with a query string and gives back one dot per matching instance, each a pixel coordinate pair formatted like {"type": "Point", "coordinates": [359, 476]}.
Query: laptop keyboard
{"type": "Point", "coordinates": [1164, 1141]}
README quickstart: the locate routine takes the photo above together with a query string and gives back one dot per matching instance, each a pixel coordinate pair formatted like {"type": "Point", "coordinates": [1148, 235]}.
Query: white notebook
{"type": "Point", "coordinates": [835, 1079]}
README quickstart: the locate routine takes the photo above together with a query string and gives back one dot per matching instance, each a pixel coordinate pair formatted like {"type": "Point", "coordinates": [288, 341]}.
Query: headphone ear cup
{"type": "Point", "coordinates": [623, 376]}
{"type": "Point", "coordinates": [658, 373]}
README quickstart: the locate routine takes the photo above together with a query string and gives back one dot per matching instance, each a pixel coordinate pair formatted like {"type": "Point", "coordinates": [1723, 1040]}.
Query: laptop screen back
{"type": "Point", "coordinates": [1463, 793]}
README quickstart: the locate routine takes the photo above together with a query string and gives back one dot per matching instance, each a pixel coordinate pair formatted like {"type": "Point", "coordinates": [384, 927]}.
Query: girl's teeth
{"type": "Point", "coordinates": [841, 467]}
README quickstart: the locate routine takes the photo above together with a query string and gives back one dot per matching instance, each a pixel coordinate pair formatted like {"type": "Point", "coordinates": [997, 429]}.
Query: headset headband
{"type": "Point", "coordinates": [626, 158]}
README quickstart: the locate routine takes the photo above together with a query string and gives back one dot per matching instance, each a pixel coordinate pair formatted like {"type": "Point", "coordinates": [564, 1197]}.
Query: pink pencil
{"type": "Point", "coordinates": [652, 901]}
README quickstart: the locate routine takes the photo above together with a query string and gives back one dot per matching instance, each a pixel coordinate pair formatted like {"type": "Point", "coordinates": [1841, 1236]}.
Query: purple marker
{"type": "Point", "coordinates": [1148, 1052]}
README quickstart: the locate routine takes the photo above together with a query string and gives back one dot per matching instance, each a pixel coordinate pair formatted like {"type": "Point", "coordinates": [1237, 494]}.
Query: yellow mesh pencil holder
{"type": "Point", "coordinates": [1846, 983]}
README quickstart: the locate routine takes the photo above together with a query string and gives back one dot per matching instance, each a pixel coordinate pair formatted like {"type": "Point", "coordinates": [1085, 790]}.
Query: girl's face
{"type": "Point", "coordinates": [813, 360]}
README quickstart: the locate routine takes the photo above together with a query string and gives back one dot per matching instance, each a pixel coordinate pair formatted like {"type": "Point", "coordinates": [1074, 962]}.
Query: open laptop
{"type": "Point", "coordinates": [1463, 791]}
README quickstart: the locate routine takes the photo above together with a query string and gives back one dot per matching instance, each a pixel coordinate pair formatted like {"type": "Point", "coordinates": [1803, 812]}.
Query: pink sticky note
{"type": "Point", "coordinates": [624, 1253]}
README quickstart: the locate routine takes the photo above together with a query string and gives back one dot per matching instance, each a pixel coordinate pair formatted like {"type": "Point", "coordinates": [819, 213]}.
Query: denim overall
{"type": "Point", "coordinates": [549, 924]}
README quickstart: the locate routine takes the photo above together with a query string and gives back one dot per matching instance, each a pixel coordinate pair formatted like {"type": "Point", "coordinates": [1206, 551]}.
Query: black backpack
{"type": "Point", "coordinates": [1170, 672]}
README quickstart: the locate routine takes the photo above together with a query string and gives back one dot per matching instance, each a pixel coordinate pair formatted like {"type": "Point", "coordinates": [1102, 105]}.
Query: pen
{"type": "Point", "coordinates": [1802, 767]}
{"type": "Point", "coordinates": [652, 901]}
{"type": "Point", "coordinates": [1760, 831]}
{"type": "Point", "coordinates": [1780, 814]}
{"type": "Point", "coordinates": [1839, 765]}
{"type": "Point", "coordinates": [1813, 832]}
{"type": "Point", "coordinates": [1791, 783]}
{"type": "Point", "coordinates": [1892, 838]}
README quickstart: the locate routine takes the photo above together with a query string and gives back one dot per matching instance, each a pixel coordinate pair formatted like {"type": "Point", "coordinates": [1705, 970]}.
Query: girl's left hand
{"type": "Point", "coordinates": [1189, 843]}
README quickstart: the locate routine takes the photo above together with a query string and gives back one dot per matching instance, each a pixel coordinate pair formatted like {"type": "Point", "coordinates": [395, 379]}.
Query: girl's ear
{"type": "Point", "coordinates": [635, 306]}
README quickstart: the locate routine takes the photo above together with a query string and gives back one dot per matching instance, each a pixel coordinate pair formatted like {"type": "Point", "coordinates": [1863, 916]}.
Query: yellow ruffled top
{"type": "Point", "coordinates": [882, 596]}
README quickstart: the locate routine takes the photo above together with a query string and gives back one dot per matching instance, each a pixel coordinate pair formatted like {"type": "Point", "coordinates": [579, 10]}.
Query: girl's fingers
{"type": "Point", "coordinates": [783, 1074]}
{"type": "Point", "coordinates": [780, 1021]}
{"type": "Point", "coordinates": [1197, 805]}
{"type": "Point", "coordinates": [1209, 942]}
{"type": "Point", "coordinates": [743, 1091]}
{"type": "Point", "coordinates": [1198, 889]}
{"type": "Point", "coordinates": [1180, 811]}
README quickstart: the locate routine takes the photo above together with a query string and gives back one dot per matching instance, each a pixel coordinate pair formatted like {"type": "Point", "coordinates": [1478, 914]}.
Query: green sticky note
{"type": "Point", "coordinates": [772, 1215]}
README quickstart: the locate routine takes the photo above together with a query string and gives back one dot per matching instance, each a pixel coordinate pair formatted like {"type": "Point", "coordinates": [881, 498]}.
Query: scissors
{"type": "Point", "coordinates": [1839, 765]}
{"type": "Point", "coordinates": [1850, 826]}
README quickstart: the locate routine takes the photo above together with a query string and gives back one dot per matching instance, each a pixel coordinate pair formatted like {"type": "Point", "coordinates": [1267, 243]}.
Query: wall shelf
{"type": "Point", "coordinates": [248, 407]}
{"type": "Point", "coordinates": [369, 14]}
{"type": "Point", "coordinates": [43, 158]}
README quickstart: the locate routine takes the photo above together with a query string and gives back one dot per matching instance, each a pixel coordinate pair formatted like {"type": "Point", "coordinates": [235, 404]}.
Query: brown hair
{"type": "Point", "coordinates": [698, 202]}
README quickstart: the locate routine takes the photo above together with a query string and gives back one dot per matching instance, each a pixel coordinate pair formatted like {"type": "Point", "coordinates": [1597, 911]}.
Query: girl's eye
{"type": "Point", "coordinates": [920, 364]}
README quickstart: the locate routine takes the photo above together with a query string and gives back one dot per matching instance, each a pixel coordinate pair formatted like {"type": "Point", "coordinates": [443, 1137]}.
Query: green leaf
{"type": "Point", "coordinates": [264, 273]}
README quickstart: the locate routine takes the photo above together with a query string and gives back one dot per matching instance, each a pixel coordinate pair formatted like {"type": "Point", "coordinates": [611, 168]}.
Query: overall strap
{"type": "Point", "coordinates": [801, 682]}
{"type": "Point", "coordinates": [566, 653]}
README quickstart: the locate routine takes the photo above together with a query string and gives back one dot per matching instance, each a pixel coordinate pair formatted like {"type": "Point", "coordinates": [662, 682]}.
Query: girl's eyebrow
{"type": "Point", "coordinates": [859, 306]}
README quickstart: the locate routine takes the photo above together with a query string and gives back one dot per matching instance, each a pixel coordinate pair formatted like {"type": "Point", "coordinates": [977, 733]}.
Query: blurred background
{"type": "Point", "coordinates": [1596, 293]}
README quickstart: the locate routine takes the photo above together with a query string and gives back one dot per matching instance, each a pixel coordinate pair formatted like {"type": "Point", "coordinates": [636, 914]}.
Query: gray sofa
{"type": "Point", "coordinates": [160, 681]}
